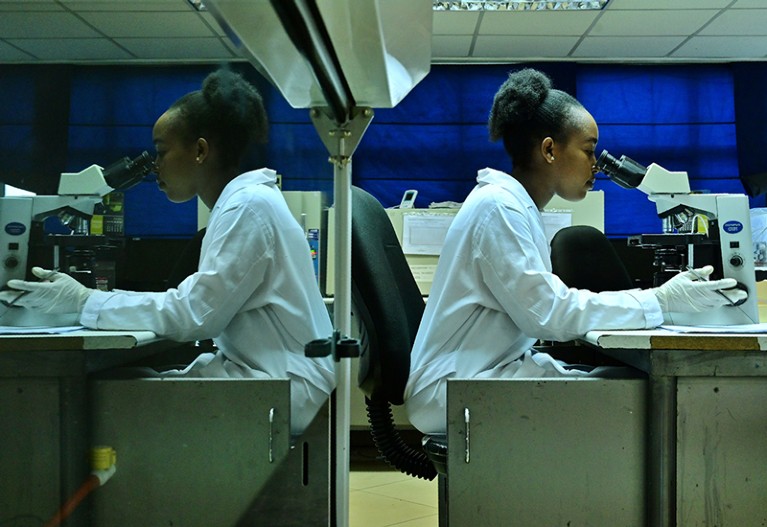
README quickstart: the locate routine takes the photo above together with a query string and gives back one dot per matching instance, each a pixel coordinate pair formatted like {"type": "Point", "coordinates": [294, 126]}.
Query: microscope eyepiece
{"type": "Point", "coordinates": [127, 172]}
{"type": "Point", "coordinates": [624, 171]}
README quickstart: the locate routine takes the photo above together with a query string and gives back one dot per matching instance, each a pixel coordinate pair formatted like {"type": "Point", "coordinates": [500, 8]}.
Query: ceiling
{"type": "Point", "coordinates": [152, 31]}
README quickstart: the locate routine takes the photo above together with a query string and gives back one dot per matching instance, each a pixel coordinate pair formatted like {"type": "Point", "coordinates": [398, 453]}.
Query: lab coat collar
{"type": "Point", "coordinates": [262, 175]}
{"type": "Point", "coordinates": [254, 177]}
{"type": "Point", "coordinates": [491, 176]}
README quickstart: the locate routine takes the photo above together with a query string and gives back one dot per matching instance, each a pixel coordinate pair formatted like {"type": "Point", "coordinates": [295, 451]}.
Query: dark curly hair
{"type": "Point", "coordinates": [228, 112]}
{"type": "Point", "coordinates": [526, 109]}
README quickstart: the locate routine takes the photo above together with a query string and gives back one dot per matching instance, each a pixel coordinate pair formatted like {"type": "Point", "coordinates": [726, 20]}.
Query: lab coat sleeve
{"type": "Point", "coordinates": [538, 301]}
{"type": "Point", "coordinates": [240, 247]}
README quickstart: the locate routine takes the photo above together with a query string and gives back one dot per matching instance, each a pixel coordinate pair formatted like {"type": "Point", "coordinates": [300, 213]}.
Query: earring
{"type": "Point", "coordinates": [551, 157]}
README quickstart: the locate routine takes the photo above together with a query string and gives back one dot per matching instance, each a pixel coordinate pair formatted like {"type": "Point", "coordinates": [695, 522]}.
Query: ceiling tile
{"type": "Point", "coordinates": [652, 5]}
{"type": "Point", "coordinates": [619, 31]}
{"type": "Point", "coordinates": [453, 46]}
{"type": "Point", "coordinates": [213, 24]}
{"type": "Point", "coordinates": [72, 49]}
{"type": "Point", "coordinates": [738, 22]}
{"type": "Point", "coordinates": [30, 5]}
{"type": "Point", "coordinates": [138, 24]}
{"type": "Point", "coordinates": [9, 53]}
{"type": "Point", "coordinates": [626, 47]}
{"type": "Point", "coordinates": [723, 47]}
{"type": "Point", "coordinates": [740, 4]}
{"type": "Point", "coordinates": [177, 48]}
{"type": "Point", "coordinates": [127, 5]}
{"type": "Point", "coordinates": [650, 23]}
{"type": "Point", "coordinates": [41, 25]}
{"type": "Point", "coordinates": [515, 47]}
{"type": "Point", "coordinates": [454, 22]}
{"type": "Point", "coordinates": [748, 4]}
{"type": "Point", "coordinates": [535, 23]}
{"type": "Point", "coordinates": [233, 49]}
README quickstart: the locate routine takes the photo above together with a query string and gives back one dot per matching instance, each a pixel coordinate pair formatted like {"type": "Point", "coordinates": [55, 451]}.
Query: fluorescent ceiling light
{"type": "Point", "coordinates": [494, 5]}
{"type": "Point", "coordinates": [517, 5]}
{"type": "Point", "coordinates": [197, 4]}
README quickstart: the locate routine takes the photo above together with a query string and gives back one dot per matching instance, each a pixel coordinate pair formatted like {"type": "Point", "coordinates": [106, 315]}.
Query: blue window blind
{"type": "Point", "coordinates": [33, 141]}
{"type": "Point", "coordinates": [111, 115]}
{"type": "Point", "coordinates": [680, 117]}
{"type": "Point", "coordinates": [112, 112]}
{"type": "Point", "coordinates": [436, 139]}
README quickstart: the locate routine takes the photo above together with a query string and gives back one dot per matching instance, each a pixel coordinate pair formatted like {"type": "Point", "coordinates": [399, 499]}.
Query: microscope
{"type": "Point", "coordinates": [698, 229]}
{"type": "Point", "coordinates": [78, 194]}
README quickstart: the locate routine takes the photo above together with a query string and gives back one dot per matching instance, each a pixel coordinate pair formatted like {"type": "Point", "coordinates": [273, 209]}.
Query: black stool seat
{"type": "Point", "coordinates": [436, 451]}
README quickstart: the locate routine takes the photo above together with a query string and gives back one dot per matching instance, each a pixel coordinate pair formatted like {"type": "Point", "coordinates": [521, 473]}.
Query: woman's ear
{"type": "Point", "coordinates": [203, 149]}
{"type": "Point", "coordinates": [547, 149]}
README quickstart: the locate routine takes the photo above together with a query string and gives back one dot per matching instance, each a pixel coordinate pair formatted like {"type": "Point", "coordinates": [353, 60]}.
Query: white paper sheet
{"type": "Point", "coordinates": [734, 329]}
{"type": "Point", "coordinates": [424, 233]}
{"type": "Point", "coordinates": [38, 330]}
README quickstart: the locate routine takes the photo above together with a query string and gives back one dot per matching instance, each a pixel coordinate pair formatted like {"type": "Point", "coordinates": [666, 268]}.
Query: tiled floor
{"type": "Point", "coordinates": [388, 498]}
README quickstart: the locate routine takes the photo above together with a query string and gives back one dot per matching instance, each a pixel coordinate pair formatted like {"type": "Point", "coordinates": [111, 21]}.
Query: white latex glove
{"type": "Point", "coordinates": [57, 293]}
{"type": "Point", "coordinates": [688, 293]}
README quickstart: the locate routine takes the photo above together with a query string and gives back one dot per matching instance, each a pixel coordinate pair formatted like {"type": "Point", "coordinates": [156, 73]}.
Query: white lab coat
{"type": "Point", "coordinates": [255, 295]}
{"type": "Point", "coordinates": [493, 296]}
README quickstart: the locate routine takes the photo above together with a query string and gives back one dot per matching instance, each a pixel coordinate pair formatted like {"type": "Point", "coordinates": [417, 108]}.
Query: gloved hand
{"type": "Point", "coordinates": [58, 293]}
{"type": "Point", "coordinates": [688, 293]}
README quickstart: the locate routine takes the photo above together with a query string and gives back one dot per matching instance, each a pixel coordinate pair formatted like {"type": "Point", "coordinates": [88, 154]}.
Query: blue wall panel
{"type": "Point", "coordinates": [90, 145]}
{"type": "Point", "coordinates": [436, 139]}
{"type": "Point", "coordinates": [128, 96]}
{"type": "Point", "coordinates": [679, 117]}
{"type": "Point", "coordinates": [441, 161]}
{"type": "Point", "coordinates": [16, 141]}
{"type": "Point", "coordinates": [36, 101]}
{"type": "Point", "coordinates": [295, 150]}
{"type": "Point", "coordinates": [149, 214]}
{"type": "Point", "coordinates": [657, 94]}
{"type": "Point", "coordinates": [703, 151]}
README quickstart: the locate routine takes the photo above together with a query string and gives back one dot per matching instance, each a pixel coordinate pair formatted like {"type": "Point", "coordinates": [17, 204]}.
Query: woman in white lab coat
{"type": "Point", "coordinates": [493, 294]}
{"type": "Point", "coordinates": [255, 292]}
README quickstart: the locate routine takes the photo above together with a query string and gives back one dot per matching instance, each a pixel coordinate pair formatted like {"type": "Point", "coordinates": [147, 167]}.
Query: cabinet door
{"type": "Point", "coordinates": [30, 449]}
{"type": "Point", "coordinates": [721, 451]}
{"type": "Point", "coordinates": [553, 452]}
{"type": "Point", "coordinates": [189, 451]}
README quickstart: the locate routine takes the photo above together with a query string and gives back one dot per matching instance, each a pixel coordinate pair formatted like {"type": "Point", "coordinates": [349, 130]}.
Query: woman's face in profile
{"type": "Point", "coordinates": [576, 159]}
{"type": "Point", "coordinates": [176, 163]}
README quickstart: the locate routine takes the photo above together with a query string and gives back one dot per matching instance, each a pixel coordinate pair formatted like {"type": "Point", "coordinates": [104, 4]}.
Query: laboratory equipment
{"type": "Point", "coordinates": [78, 194]}
{"type": "Point", "coordinates": [698, 229]}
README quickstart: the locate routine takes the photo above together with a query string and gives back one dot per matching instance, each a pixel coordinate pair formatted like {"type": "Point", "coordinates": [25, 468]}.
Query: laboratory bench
{"type": "Point", "coordinates": [706, 423]}
{"type": "Point", "coordinates": [189, 451]}
{"type": "Point", "coordinates": [43, 411]}
{"type": "Point", "coordinates": [684, 445]}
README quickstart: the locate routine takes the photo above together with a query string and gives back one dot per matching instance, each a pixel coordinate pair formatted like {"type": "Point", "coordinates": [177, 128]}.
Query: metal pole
{"type": "Point", "coordinates": [341, 139]}
{"type": "Point", "coordinates": [342, 321]}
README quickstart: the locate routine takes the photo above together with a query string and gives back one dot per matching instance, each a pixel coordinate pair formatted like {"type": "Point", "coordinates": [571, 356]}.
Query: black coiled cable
{"type": "Point", "coordinates": [390, 444]}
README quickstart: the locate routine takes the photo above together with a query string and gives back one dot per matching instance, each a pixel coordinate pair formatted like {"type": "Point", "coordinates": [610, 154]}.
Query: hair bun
{"type": "Point", "coordinates": [516, 100]}
{"type": "Point", "coordinates": [237, 103]}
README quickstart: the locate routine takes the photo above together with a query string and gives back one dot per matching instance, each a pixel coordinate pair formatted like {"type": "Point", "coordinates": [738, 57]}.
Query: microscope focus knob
{"type": "Point", "coordinates": [736, 260]}
{"type": "Point", "coordinates": [11, 262]}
